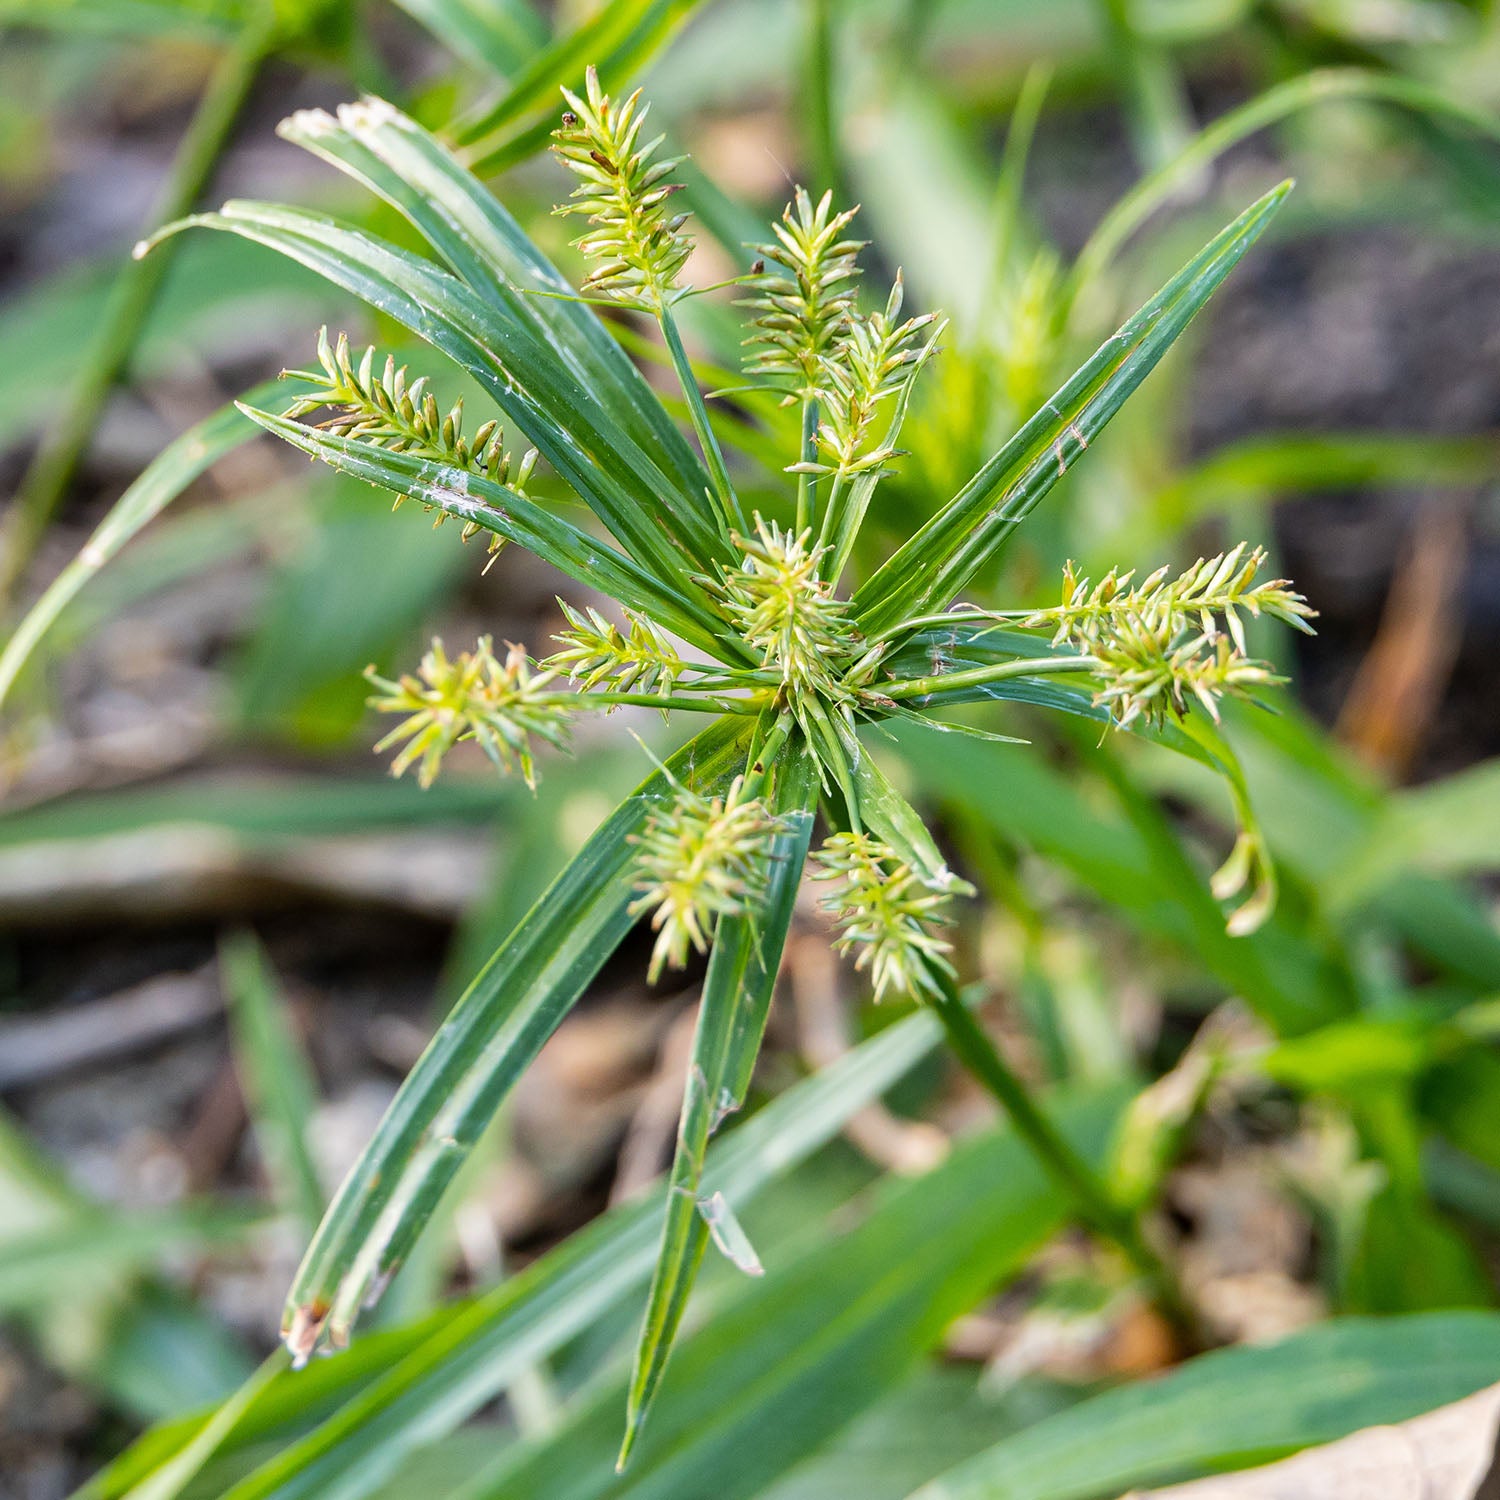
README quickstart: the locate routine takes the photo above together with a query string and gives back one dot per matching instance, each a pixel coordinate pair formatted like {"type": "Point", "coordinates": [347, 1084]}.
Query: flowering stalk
{"type": "Point", "coordinates": [634, 242]}
{"type": "Point", "coordinates": [1158, 645]}
{"type": "Point", "coordinates": [387, 411]}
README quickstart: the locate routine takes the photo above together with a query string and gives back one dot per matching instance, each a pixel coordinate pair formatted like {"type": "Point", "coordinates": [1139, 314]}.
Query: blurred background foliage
{"type": "Point", "coordinates": [226, 934]}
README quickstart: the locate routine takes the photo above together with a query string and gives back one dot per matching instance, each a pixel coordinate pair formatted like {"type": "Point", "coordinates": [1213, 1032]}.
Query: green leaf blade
{"type": "Point", "coordinates": [617, 39]}
{"type": "Point", "coordinates": [464, 1356]}
{"type": "Point", "coordinates": [500, 35]}
{"type": "Point", "coordinates": [505, 512]}
{"type": "Point", "coordinates": [489, 1038]}
{"type": "Point", "coordinates": [159, 484]}
{"type": "Point", "coordinates": [731, 1022]}
{"type": "Point", "coordinates": [520, 371]}
{"type": "Point", "coordinates": [487, 250]}
{"type": "Point", "coordinates": [276, 1076]}
{"type": "Point", "coordinates": [1238, 1407]}
{"type": "Point", "coordinates": [819, 1339]}
{"type": "Point", "coordinates": [934, 565]}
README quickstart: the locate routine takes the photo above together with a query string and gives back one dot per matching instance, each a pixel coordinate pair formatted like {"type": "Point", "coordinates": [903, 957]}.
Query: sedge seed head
{"type": "Point", "coordinates": [473, 696]}
{"type": "Point", "coordinates": [885, 914]}
{"type": "Point", "coordinates": [786, 612]}
{"type": "Point", "coordinates": [699, 859]}
{"type": "Point", "coordinates": [1165, 643]}
{"type": "Point", "coordinates": [803, 307]}
{"type": "Point", "coordinates": [635, 244]}
{"type": "Point", "coordinates": [596, 653]}
{"type": "Point", "coordinates": [862, 379]}
{"type": "Point", "coordinates": [377, 404]}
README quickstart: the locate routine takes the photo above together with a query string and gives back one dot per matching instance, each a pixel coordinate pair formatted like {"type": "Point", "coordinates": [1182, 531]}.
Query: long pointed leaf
{"type": "Point", "coordinates": [276, 1076]}
{"type": "Point", "coordinates": [893, 820]}
{"type": "Point", "coordinates": [159, 484]}
{"type": "Point", "coordinates": [520, 371]}
{"type": "Point", "coordinates": [820, 1339]}
{"type": "Point", "coordinates": [470, 1354]}
{"type": "Point", "coordinates": [489, 1038]}
{"type": "Point", "coordinates": [935, 564]}
{"type": "Point", "coordinates": [617, 39]}
{"type": "Point", "coordinates": [731, 1022]}
{"type": "Point", "coordinates": [1237, 1407]}
{"type": "Point", "coordinates": [484, 246]}
{"type": "Point", "coordinates": [472, 497]}
{"type": "Point", "coordinates": [501, 35]}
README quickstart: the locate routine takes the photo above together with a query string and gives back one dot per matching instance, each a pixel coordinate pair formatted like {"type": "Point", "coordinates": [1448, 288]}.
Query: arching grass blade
{"type": "Point", "coordinates": [939, 560]}
{"type": "Point", "coordinates": [479, 240]}
{"type": "Point", "coordinates": [731, 1021]}
{"type": "Point", "coordinates": [489, 1038]}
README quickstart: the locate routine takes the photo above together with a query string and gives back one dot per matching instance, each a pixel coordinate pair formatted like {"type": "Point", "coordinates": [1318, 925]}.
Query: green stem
{"type": "Point", "coordinates": [817, 94]}
{"type": "Point", "coordinates": [130, 301]}
{"type": "Point", "coordinates": [764, 751]}
{"type": "Point", "coordinates": [806, 453]}
{"type": "Point", "coordinates": [830, 515]}
{"type": "Point", "coordinates": [1091, 1197]}
{"type": "Point", "coordinates": [1025, 666]}
{"type": "Point", "coordinates": [690, 702]}
{"type": "Point", "coordinates": [728, 502]}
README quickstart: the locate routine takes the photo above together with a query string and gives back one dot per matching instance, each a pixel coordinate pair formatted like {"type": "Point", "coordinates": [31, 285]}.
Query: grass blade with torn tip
{"type": "Point", "coordinates": [731, 1021]}
{"type": "Point", "coordinates": [939, 560]}
{"type": "Point", "coordinates": [160, 483]}
{"type": "Point", "coordinates": [522, 372]}
{"type": "Point", "coordinates": [488, 250]}
{"type": "Point", "coordinates": [474, 499]}
{"type": "Point", "coordinates": [488, 1039]}
{"type": "Point", "coordinates": [1238, 1407]}
{"type": "Point", "coordinates": [474, 1352]}
{"type": "Point", "coordinates": [274, 1074]}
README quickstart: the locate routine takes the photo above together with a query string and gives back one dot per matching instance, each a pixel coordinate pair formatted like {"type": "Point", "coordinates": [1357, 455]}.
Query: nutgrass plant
{"type": "Point", "coordinates": [832, 1329]}
{"type": "Point", "coordinates": [742, 618]}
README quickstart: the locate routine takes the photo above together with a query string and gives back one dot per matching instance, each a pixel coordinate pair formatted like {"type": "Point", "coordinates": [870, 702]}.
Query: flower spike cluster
{"type": "Point", "coordinates": [1159, 645]}
{"type": "Point", "coordinates": [700, 859]}
{"type": "Point", "coordinates": [803, 317]}
{"type": "Point", "coordinates": [789, 648]}
{"type": "Point", "coordinates": [635, 242]}
{"type": "Point", "coordinates": [885, 913]}
{"type": "Point", "coordinates": [877, 360]}
{"type": "Point", "coordinates": [595, 652]}
{"type": "Point", "coordinates": [474, 696]}
{"type": "Point", "coordinates": [388, 411]}
{"type": "Point", "coordinates": [785, 611]}
{"type": "Point", "coordinates": [791, 673]}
